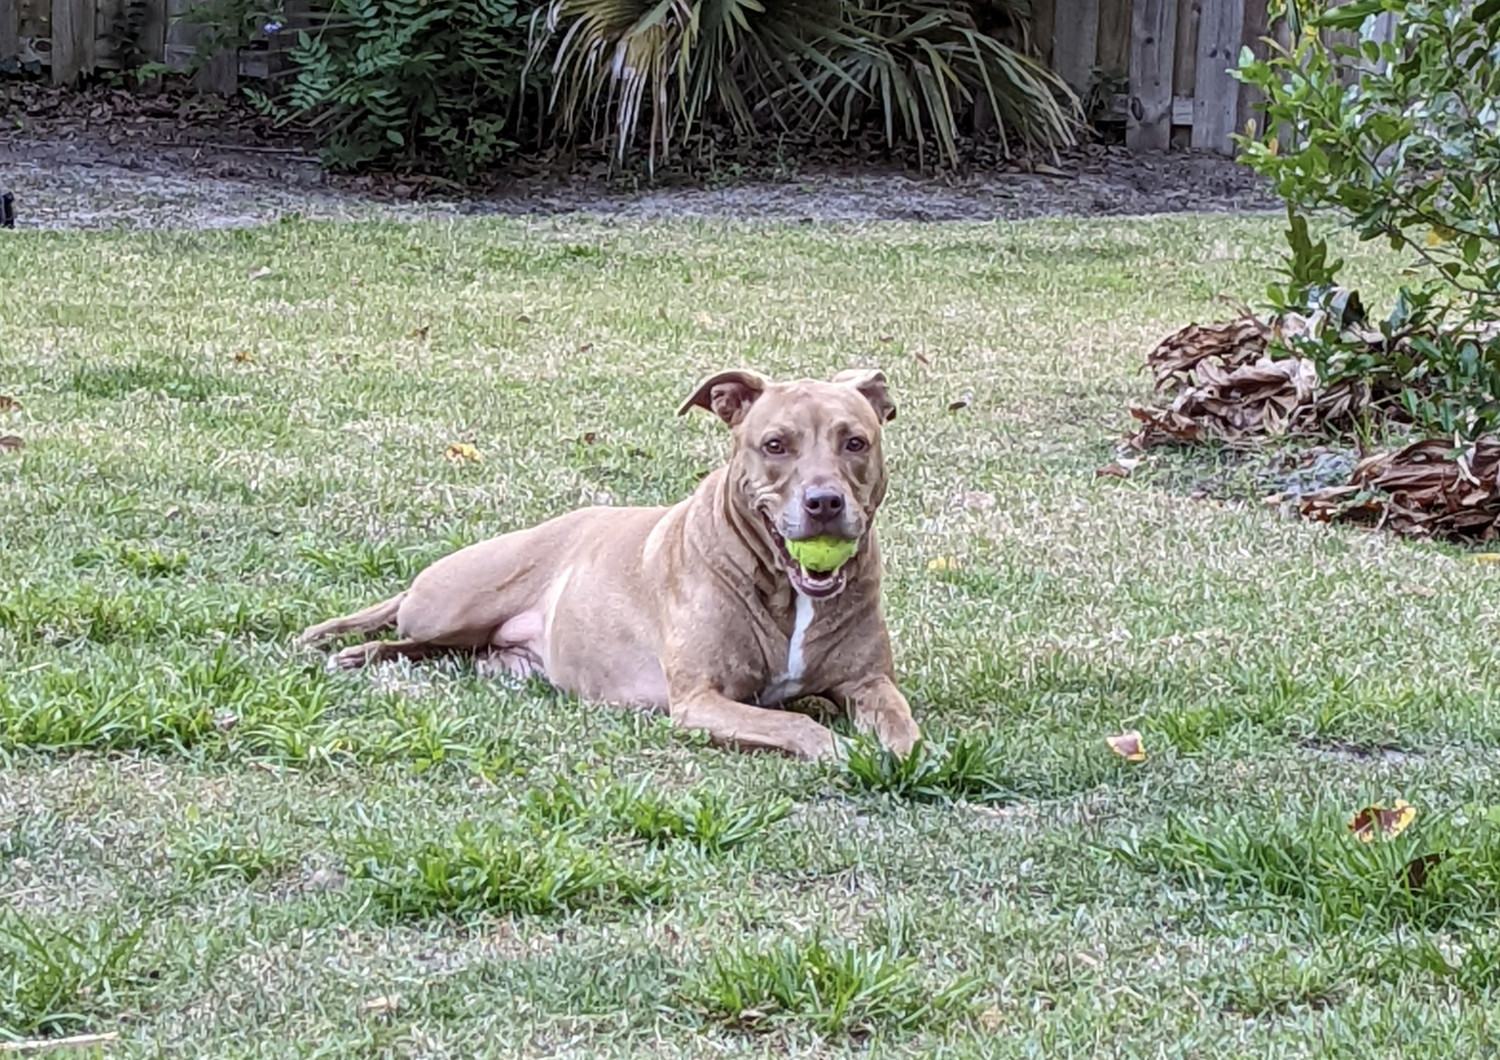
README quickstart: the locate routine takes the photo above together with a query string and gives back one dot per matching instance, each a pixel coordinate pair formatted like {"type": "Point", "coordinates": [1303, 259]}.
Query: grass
{"type": "Point", "coordinates": [215, 847]}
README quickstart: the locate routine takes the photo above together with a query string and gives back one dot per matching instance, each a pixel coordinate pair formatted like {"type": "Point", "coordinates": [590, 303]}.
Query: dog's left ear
{"type": "Point", "coordinates": [871, 383]}
{"type": "Point", "coordinates": [728, 395]}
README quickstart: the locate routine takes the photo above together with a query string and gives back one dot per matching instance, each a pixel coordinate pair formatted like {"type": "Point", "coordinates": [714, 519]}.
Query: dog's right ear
{"type": "Point", "coordinates": [728, 395]}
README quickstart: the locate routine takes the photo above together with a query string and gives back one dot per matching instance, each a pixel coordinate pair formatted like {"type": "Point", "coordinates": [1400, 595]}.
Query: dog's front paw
{"type": "Point", "coordinates": [898, 733]}
{"type": "Point", "coordinates": [812, 742]}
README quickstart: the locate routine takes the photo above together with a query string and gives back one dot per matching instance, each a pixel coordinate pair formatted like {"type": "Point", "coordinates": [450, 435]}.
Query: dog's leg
{"type": "Point", "coordinates": [375, 651]}
{"type": "Point", "coordinates": [752, 728]}
{"type": "Point", "coordinates": [374, 619]}
{"type": "Point", "coordinates": [877, 706]}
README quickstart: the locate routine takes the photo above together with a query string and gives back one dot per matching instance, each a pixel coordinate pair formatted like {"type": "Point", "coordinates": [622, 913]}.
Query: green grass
{"type": "Point", "coordinates": [217, 848]}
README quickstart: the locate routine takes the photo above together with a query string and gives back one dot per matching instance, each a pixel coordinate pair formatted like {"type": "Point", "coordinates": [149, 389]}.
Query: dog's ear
{"type": "Point", "coordinates": [728, 395]}
{"type": "Point", "coordinates": [871, 383]}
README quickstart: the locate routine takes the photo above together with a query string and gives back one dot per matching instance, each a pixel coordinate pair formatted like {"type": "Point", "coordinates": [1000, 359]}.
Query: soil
{"type": "Point", "coordinates": [105, 158]}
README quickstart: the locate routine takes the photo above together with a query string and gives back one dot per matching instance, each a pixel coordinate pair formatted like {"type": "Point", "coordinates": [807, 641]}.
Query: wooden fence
{"type": "Point", "coordinates": [1171, 58]}
{"type": "Point", "coordinates": [70, 38]}
{"type": "Point", "coordinates": [1162, 65]}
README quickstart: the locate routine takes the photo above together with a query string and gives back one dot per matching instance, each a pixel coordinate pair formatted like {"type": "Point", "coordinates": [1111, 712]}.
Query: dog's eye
{"type": "Point", "coordinates": [774, 446]}
{"type": "Point", "coordinates": [856, 445]}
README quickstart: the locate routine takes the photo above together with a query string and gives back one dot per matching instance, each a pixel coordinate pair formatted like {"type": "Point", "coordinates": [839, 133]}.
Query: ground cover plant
{"type": "Point", "coordinates": [211, 846]}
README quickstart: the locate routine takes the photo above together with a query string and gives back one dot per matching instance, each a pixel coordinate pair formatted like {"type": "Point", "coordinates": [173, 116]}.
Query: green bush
{"type": "Point", "coordinates": [405, 83]}
{"type": "Point", "coordinates": [453, 85]}
{"type": "Point", "coordinates": [1409, 153]}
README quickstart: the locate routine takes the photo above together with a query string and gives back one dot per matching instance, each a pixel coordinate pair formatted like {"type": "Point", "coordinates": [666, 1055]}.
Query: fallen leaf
{"type": "Point", "coordinates": [244, 357]}
{"type": "Point", "coordinates": [461, 452]}
{"type": "Point", "coordinates": [523, 319]}
{"type": "Point", "coordinates": [1487, 557]}
{"type": "Point", "coordinates": [589, 437]}
{"type": "Point", "coordinates": [384, 1003]}
{"type": "Point", "coordinates": [11, 443]}
{"type": "Point", "coordinates": [586, 347]}
{"type": "Point", "coordinates": [1120, 468]}
{"type": "Point", "coordinates": [1128, 746]}
{"type": "Point", "coordinates": [356, 282]}
{"type": "Point", "coordinates": [1383, 821]}
{"type": "Point", "coordinates": [944, 563]}
{"type": "Point", "coordinates": [260, 273]}
{"type": "Point", "coordinates": [1421, 590]}
{"type": "Point", "coordinates": [226, 721]}
{"type": "Point", "coordinates": [1048, 171]}
{"type": "Point", "coordinates": [418, 333]}
{"type": "Point", "coordinates": [661, 312]}
{"type": "Point", "coordinates": [990, 1019]}
{"type": "Point", "coordinates": [921, 359]}
{"type": "Point", "coordinates": [8, 404]}
{"type": "Point", "coordinates": [887, 338]}
{"type": "Point", "coordinates": [703, 320]}
{"type": "Point", "coordinates": [960, 403]}
{"type": "Point", "coordinates": [1414, 875]}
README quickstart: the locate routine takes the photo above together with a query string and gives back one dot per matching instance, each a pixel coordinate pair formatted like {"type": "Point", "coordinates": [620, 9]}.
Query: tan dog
{"type": "Point", "coordinates": [697, 609]}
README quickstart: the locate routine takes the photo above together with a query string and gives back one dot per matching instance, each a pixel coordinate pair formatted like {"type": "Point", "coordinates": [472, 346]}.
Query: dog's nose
{"type": "Point", "coordinates": [823, 503]}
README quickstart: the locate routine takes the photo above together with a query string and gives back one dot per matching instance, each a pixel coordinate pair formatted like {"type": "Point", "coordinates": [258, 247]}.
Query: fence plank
{"type": "Point", "coordinates": [1153, 33]}
{"type": "Point", "coordinates": [1185, 55]}
{"type": "Point", "coordinates": [154, 31]}
{"type": "Point", "coordinates": [72, 40]}
{"type": "Point", "coordinates": [1075, 41]}
{"type": "Point", "coordinates": [10, 30]}
{"type": "Point", "coordinates": [1113, 59]}
{"type": "Point", "coordinates": [1215, 93]}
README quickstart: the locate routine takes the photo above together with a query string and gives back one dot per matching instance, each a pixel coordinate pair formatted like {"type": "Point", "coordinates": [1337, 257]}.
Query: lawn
{"type": "Point", "coordinates": [216, 848]}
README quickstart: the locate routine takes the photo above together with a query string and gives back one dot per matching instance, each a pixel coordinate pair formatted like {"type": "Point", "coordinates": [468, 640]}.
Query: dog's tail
{"type": "Point", "coordinates": [374, 619]}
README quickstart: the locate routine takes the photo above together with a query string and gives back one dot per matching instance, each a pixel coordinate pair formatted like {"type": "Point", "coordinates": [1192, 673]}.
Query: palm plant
{"type": "Point", "coordinates": [659, 68]}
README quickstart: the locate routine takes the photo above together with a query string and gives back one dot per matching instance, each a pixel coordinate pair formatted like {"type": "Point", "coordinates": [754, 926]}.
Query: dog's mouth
{"type": "Point", "coordinates": [816, 584]}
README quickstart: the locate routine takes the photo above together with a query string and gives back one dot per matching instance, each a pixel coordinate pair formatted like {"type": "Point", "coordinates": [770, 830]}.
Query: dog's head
{"type": "Point", "coordinates": [807, 460]}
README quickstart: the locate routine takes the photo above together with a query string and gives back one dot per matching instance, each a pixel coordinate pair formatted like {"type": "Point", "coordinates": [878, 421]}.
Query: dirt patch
{"type": "Point", "coordinates": [108, 159]}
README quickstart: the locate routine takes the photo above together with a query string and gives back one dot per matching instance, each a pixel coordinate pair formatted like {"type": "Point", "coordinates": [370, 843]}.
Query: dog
{"type": "Point", "coordinates": [698, 609]}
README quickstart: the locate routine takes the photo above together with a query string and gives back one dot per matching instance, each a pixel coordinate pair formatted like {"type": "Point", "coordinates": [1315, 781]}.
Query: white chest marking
{"type": "Point", "coordinates": [788, 684]}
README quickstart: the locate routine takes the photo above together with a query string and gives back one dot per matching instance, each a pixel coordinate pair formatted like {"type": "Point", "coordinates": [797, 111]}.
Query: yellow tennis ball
{"type": "Point", "coordinates": [822, 554]}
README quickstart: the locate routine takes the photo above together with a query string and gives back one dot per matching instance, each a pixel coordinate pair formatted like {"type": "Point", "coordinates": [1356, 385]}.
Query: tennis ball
{"type": "Point", "coordinates": [822, 554]}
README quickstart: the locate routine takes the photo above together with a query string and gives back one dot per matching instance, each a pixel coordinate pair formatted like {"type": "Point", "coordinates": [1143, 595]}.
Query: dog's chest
{"type": "Point", "coordinates": [789, 683]}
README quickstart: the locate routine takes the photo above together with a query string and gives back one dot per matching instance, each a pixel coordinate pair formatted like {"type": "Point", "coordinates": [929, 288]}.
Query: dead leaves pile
{"type": "Point", "coordinates": [1224, 386]}
{"type": "Point", "coordinates": [1217, 382]}
{"type": "Point", "coordinates": [1427, 489]}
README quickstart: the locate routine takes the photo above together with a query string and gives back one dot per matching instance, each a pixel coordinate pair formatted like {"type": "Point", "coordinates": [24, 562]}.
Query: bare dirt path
{"type": "Point", "coordinates": [107, 160]}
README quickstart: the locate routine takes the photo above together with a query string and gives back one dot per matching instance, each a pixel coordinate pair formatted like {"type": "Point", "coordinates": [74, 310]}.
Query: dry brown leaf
{"type": "Point", "coordinates": [419, 333]}
{"type": "Point", "coordinates": [1383, 821]}
{"type": "Point", "coordinates": [523, 319]}
{"type": "Point", "coordinates": [990, 1019]}
{"type": "Point", "coordinates": [922, 359]}
{"type": "Point", "coordinates": [1128, 745]}
{"type": "Point", "coordinates": [461, 452]}
{"type": "Point", "coordinates": [8, 404]}
{"type": "Point", "coordinates": [960, 403]}
{"type": "Point", "coordinates": [244, 357]}
{"type": "Point", "coordinates": [11, 443]}
{"type": "Point", "coordinates": [586, 347]}
{"type": "Point", "coordinates": [944, 563]}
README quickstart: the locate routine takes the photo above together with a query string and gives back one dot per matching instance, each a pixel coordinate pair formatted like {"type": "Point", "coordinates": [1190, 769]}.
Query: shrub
{"type": "Point", "coordinates": [401, 83]}
{"type": "Point", "coordinates": [914, 68]}
{"type": "Point", "coordinates": [1409, 153]}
